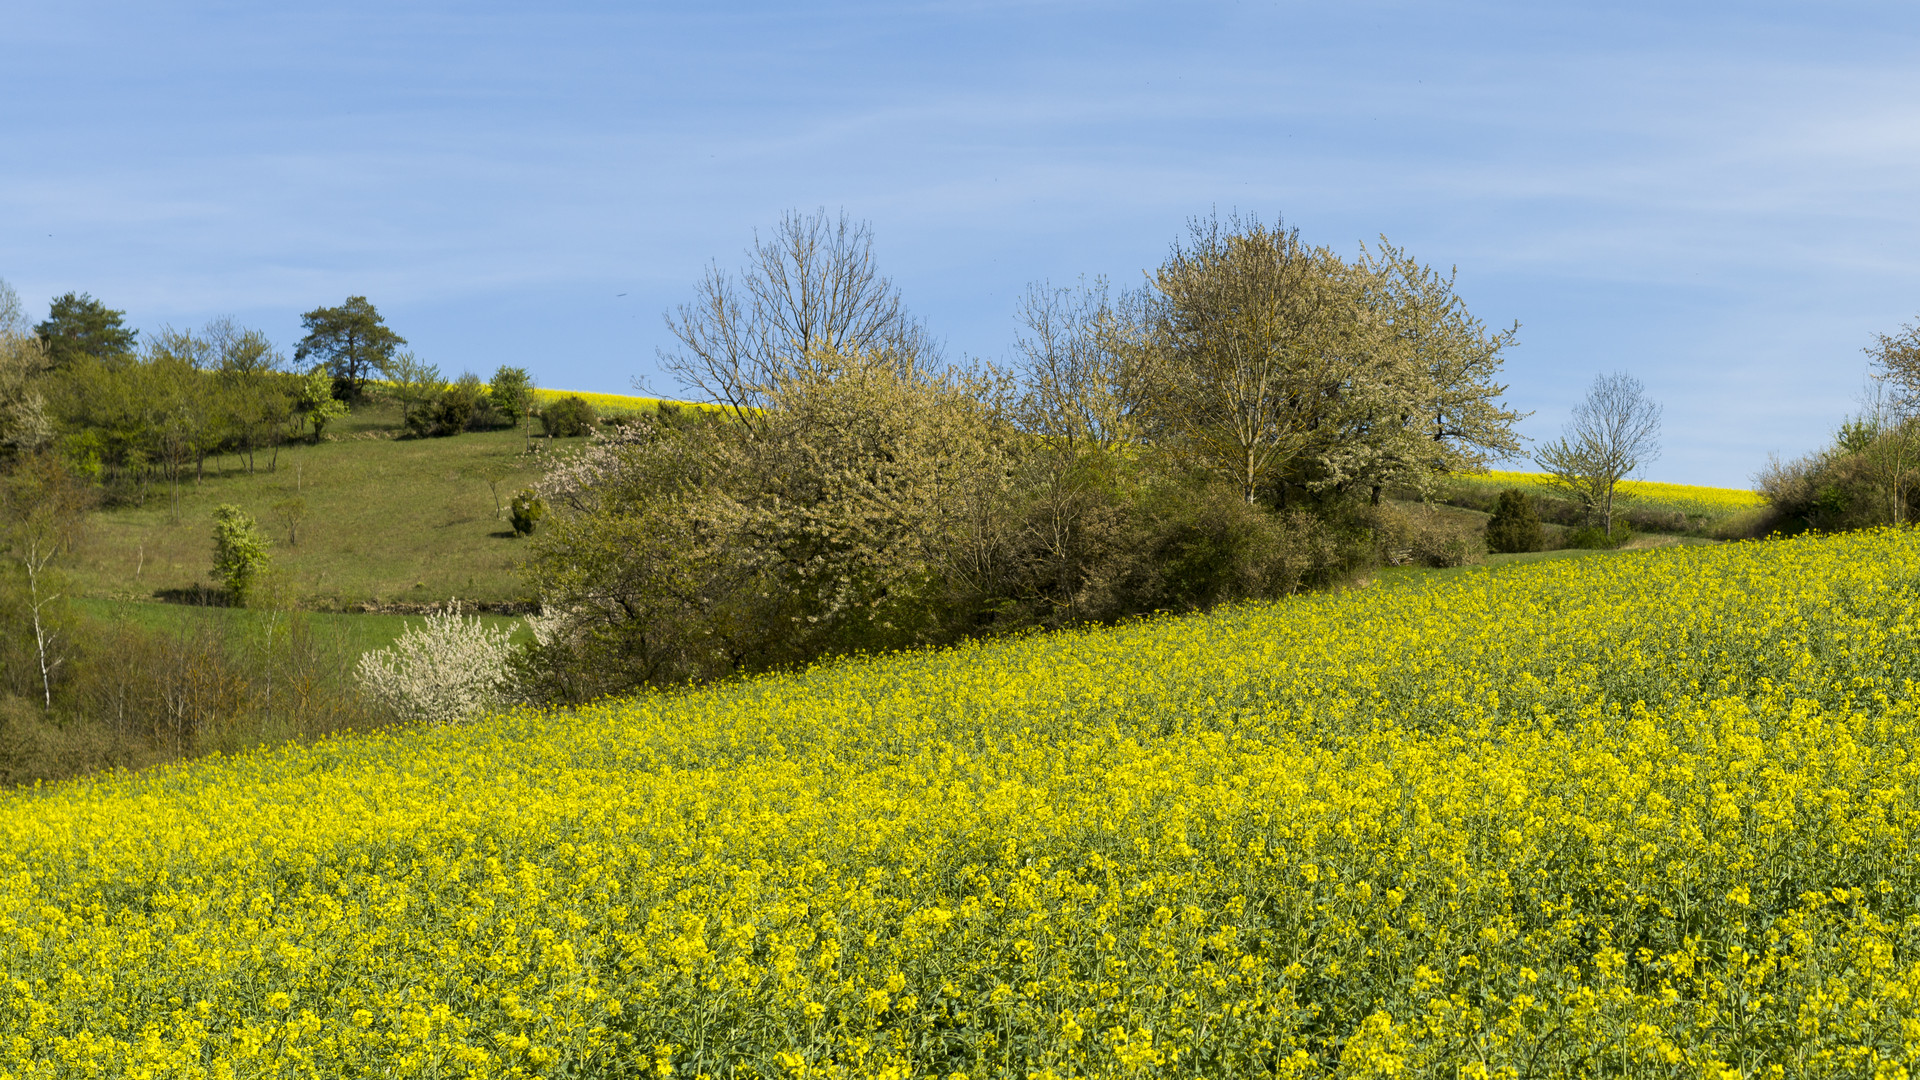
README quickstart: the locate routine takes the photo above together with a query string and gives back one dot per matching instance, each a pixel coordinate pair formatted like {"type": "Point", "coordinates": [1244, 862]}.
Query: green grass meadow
{"type": "Point", "coordinates": [387, 520]}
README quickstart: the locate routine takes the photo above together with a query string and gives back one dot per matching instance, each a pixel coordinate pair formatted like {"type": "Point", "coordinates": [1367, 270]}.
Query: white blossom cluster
{"type": "Point", "coordinates": [571, 481]}
{"type": "Point", "coordinates": [451, 670]}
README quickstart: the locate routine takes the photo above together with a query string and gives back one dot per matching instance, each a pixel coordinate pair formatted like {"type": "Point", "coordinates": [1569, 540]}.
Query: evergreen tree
{"type": "Point", "coordinates": [80, 326]}
{"type": "Point", "coordinates": [351, 340]}
{"type": "Point", "coordinates": [1515, 525]}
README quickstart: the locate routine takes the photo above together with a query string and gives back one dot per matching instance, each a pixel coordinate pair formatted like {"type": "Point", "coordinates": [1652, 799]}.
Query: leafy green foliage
{"type": "Point", "coordinates": [160, 416]}
{"type": "Point", "coordinates": [569, 417]}
{"type": "Point", "coordinates": [510, 393]}
{"type": "Point", "coordinates": [316, 405]}
{"type": "Point", "coordinates": [525, 511]}
{"type": "Point", "coordinates": [239, 552]}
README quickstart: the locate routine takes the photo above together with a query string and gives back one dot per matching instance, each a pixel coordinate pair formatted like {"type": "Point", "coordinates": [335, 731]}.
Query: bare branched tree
{"type": "Point", "coordinates": [1074, 374]}
{"type": "Point", "coordinates": [42, 509]}
{"type": "Point", "coordinates": [1612, 433]}
{"type": "Point", "coordinates": [1896, 359]}
{"type": "Point", "coordinates": [809, 290]}
{"type": "Point", "coordinates": [1889, 452]}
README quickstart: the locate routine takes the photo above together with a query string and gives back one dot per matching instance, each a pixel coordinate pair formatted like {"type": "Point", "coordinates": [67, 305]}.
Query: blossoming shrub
{"type": "Point", "coordinates": [1642, 815]}
{"type": "Point", "coordinates": [449, 670]}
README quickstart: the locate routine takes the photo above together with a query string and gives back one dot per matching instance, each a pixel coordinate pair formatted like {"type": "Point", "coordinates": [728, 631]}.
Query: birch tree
{"type": "Point", "coordinates": [42, 507]}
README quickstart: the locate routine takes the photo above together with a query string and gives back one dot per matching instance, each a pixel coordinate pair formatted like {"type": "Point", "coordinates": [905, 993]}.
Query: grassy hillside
{"type": "Point", "coordinates": [1645, 814]}
{"type": "Point", "coordinates": [387, 520]}
{"type": "Point", "coordinates": [356, 633]}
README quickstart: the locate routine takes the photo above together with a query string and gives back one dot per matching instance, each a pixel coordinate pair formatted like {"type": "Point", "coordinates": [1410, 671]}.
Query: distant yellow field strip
{"type": "Point", "coordinates": [1687, 497]}
{"type": "Point", "coordinates": [613, 402]}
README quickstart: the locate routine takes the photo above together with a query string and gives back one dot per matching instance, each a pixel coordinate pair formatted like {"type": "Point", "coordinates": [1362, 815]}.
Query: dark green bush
{"type": "Point", "coordinates": [1515, 525]}
{"type": "Point", "coordinates": [459, 405]}
{"type": "Point", "coordinates": [526, 510]}
{"type": "Point", "coordinates": [1593, 536]}
{"type": "Point", "coordinates": [568, 417]}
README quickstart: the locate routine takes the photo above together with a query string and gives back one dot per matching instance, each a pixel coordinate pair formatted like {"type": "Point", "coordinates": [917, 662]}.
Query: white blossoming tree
{"type": "Point", "coordinates": [450, 670]}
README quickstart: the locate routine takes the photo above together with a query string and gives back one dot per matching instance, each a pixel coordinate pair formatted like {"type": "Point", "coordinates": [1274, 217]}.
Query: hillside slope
{"type": "Point", "coordinates": [386, 520]}
{"type": "Point", "coordinates": [1644, 814]}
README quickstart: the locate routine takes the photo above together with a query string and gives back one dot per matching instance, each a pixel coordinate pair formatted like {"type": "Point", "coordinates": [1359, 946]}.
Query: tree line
{"type": "Point", "coordinates": [1250, 420]}
{"type": "Point", "coordinates": [127, 414]}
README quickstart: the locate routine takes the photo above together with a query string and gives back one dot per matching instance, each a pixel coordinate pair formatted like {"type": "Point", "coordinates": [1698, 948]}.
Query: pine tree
{"type": "Point", "coordinates": [80, 326]}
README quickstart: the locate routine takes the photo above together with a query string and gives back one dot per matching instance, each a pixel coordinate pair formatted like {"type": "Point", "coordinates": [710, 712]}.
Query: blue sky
{"type": "Point", "coordinates": [1718, 198]}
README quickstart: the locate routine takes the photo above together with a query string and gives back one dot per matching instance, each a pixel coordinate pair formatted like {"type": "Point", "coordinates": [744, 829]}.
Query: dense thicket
{"type": "Point", "coordinates": [1870, 473]}
{"type": "Point", "coordinates": [1226, 432]}
{"type": "Point", "coordinates": [1865, 477]}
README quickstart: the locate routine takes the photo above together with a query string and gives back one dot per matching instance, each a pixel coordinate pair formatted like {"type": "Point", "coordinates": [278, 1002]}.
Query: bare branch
{"type": "Point", "coordinates": [1612, 434]}
{"type": "Point", "coordinates": [810, 289]}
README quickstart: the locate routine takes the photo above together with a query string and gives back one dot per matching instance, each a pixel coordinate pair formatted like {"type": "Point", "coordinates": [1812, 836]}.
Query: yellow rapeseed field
{"type": "Point", "coordinates": [1694, 501]}
{"type": "Point", "coordinates": [1637, 815]}
{"type": "Point", "coordinates": [611, 404]}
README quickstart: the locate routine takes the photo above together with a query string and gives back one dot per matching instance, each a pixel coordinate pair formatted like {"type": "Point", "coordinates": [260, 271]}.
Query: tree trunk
{"type": "Point", "coordinates": [42, 639]}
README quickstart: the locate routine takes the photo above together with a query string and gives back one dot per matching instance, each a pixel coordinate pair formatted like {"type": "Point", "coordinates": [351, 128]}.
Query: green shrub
{"type": "Point", "coordinates": [1592, 536]}
{"type": "Point", "coordinates": [526, 510]}
{"type": "Point", "coordinates": [239, 552]}
{"type": "Point", "coordinates": [568, 417]}
{"type": "Point", "coordinates": [459, 404]}
{"type": "Point", "coordinates": [1515, 525]}
{"type": "Point", "coordinates": [510, 393]}
{"type": "Point", "coordinates": [422, 419]}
